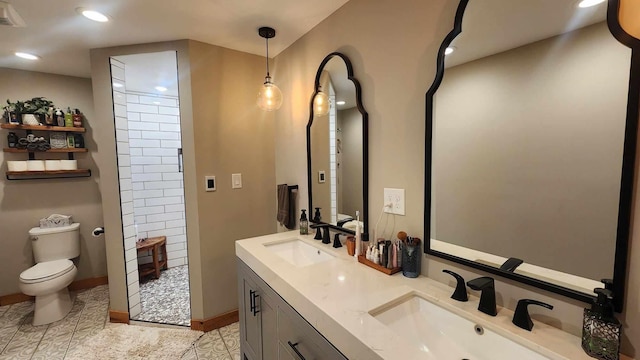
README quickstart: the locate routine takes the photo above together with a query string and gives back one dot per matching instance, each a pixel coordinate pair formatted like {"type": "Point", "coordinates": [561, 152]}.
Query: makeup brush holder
{"type": "Point", "coordinates": [411, 256]}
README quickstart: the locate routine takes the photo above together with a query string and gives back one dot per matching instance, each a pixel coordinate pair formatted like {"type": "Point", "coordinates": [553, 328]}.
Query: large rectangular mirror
{"type": "Point", "coordinates": [528, 141]}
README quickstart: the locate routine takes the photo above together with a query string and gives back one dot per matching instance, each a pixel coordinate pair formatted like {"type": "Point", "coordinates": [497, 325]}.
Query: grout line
{"type": "Point", "coordinates": [40, 341]}
{"type": "Point", "coordinates": [224, 342]}
{"type": "Point", "coordinates": [73, 333]}
{"type": "Point", "coordinates": [15, 332]}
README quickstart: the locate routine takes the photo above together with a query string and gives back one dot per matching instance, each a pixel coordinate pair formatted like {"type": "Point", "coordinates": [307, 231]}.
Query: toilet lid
{"type": "Point", "coordinates": [46, 270]}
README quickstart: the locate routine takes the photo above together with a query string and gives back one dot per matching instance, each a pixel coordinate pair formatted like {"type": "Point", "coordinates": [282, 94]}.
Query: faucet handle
{"type": "Point", "coordinates": [336, 241]}
{"type": "Point", "coordinates": [521, 316]}
{"type": "Point", "coordinates": [460, 293]}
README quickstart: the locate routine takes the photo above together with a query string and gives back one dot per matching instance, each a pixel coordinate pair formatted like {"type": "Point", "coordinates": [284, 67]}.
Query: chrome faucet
{"type": "Point", "coordinates": [486, 285]}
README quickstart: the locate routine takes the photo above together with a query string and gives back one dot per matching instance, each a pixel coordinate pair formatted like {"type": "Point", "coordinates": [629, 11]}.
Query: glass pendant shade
{"type": "Point", "coordinates": [269, 96]}
{"type": "Point", "coordinates": [321, 104]}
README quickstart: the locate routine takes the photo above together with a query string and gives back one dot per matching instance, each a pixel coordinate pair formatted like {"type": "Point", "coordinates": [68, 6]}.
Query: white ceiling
{"type": "Point", "coordinates": [493, 26]}
{"type": "Point", "coordinates": [62, 38]}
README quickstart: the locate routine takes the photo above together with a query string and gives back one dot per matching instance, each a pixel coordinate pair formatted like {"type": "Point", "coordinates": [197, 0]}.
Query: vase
{"type": "Point", "coordinates": [30, 119]}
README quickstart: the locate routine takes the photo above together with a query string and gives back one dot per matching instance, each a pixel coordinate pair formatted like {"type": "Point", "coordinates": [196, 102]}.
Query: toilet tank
{"type": "Point", "coordinates": [55, 243]}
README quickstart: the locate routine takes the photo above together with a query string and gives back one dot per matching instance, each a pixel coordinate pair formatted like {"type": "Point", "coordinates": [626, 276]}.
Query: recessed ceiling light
{"type": "Point", "coordinates": [161, 88]}
{"type": "Point", "coordinates": [449, 50]}
{"type": "Point", "coordinates": [93, 15]}
{"type": "Point", "coordinates": [117, 85]}
{"type": "Point", "coordinates": [27, 56]}
{"type": "Point", "coordinates": [589, 3]}
{"type": "Point", "coordinates": [341, 102]}
{"type": "Point", "coordinates": [157, 102]}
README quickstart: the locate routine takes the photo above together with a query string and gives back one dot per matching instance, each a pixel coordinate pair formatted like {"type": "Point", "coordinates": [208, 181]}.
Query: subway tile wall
{"type": "Point", "coordinates": [126, 186]}
{"type": "Point", "coordinates": [157, 185]}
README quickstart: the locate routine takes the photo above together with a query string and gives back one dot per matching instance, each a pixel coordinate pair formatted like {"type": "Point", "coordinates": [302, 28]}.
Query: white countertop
{"type": "Point", "coordinates": [336, 296]}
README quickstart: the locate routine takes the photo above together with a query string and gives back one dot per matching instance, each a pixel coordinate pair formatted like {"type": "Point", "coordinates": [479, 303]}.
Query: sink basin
{"type": "Point", "coordinates": [445, 335]}
{"type": "Point", "coordinates": [298, 252]}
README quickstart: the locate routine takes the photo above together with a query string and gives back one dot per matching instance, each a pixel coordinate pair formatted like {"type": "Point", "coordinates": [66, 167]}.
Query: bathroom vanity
{"type": "Point", "coordinates": [301, 299]}
{"type": "Point", "coordinates": [271, 328]}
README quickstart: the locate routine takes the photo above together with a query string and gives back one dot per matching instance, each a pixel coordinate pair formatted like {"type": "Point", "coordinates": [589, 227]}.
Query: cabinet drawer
{"type": "Point", "coordinates": [285, 354]}
{"type": "Point", "coordinates": [309, 343]}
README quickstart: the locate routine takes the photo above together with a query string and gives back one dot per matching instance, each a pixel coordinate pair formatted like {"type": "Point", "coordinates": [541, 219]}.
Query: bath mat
{"type": "Point", "coordinates": [119, 341]}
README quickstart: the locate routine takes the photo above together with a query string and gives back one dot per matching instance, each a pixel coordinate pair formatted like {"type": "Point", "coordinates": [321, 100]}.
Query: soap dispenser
{"type": "Point", "coordinates": [304, 223]}
{"type": "Point", "coordinates": [601, 331]}
{"type": "Point", "coordinates": [317, 217]}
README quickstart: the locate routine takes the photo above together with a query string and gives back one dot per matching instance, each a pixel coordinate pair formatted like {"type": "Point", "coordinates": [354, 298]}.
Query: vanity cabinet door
{"type": "Point", "coordinates": [269, 326]}
{"type": "Point", "coordinates": [258, 317]}
{"type": "Point", "coordinates": [271, 329]}
{"type": "Point", "coordinates": [250, 320]}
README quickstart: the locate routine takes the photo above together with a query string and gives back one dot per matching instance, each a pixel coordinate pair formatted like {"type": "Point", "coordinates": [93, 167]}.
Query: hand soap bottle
{"type": "Point", "coordinates": [317, 217]}
{"type": "Point", "coordinates": [304, 223]}
{"type": "Point", "coordinates": [601, 331]}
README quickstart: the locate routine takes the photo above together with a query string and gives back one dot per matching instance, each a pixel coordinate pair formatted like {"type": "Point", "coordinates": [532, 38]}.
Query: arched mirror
{"type": "Point", "coordinates": [337, 147]}
{"type": "Point", "coordinates": [531, 144]}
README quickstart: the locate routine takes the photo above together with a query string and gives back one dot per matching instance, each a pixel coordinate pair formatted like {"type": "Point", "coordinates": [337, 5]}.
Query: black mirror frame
{"type": "Point", "coordinates": [627, 176]}
{"type": "Point", "coordinates": [365, 143]}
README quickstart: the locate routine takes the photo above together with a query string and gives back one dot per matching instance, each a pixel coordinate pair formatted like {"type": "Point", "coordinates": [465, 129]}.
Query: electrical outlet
{"type": "Point", "coordinates": [395, 197]}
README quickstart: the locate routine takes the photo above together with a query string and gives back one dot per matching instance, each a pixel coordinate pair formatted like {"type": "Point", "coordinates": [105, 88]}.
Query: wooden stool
{"type": "Point", "coordinates": [155, 244]}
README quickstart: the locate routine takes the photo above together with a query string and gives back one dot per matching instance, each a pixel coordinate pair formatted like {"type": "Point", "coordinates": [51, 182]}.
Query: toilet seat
{"type": "Point", "coordinates": [47, 270]}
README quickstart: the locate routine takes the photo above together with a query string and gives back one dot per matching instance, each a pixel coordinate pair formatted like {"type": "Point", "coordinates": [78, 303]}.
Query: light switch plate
{"type": "Point", "coordinates": [210, 183]}
{"type": "Point", "coordinates": [236, 181]}
{"type": "Point", "coordinates": [395, 197]}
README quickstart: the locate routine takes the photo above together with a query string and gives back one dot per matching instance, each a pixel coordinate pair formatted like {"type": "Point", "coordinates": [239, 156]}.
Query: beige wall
{"type": "Point", "coordinates": [549, 113]}
{"type": "Point", "coordinates": [395, 64]}
{"type": "Point", "coordinates": [232, 135]}
{"type": "Point", "coordinates": [223, 132]}
{"type": "Point", "coordinates": [23, 203]}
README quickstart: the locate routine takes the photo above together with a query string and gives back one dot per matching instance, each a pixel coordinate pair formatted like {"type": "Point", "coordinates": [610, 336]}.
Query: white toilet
{"type": "Point", "coordinates": [48, 279]}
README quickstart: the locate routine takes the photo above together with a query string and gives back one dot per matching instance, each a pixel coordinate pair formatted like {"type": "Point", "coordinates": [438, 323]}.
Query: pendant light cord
{"type": "Point", "coordinates": [267, 40]}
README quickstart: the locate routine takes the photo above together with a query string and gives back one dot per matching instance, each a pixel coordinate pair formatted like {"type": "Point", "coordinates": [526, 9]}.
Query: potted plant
{"type": "Point", "coordinates": [32, 112]}
{"type": "Point", "coordinates": [39, 108]}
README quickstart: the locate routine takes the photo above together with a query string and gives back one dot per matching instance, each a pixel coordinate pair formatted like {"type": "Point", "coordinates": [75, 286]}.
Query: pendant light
{"type": "Point", "coordinates": [270, 96]}
{"type": "Point", "coordinates": [321, 103]}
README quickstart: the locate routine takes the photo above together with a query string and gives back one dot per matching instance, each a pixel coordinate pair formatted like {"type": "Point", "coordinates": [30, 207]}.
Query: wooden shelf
{"type": "Point", "coordinates": [42, 128]}
{"type": "Point", "coordinates": [63, 150]}
{"type": "Point", "coordinates": [32, 175]}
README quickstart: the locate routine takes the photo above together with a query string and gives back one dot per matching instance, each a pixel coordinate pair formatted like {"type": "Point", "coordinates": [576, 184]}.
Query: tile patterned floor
{"type": "Point", "coordinates": [21, 340]}
{"type": "Point", "coordinates": [166, 300]}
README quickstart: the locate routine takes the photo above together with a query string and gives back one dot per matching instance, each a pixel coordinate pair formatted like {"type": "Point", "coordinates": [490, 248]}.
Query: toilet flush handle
{"type": "Point", "coordinates": [34, 238]}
